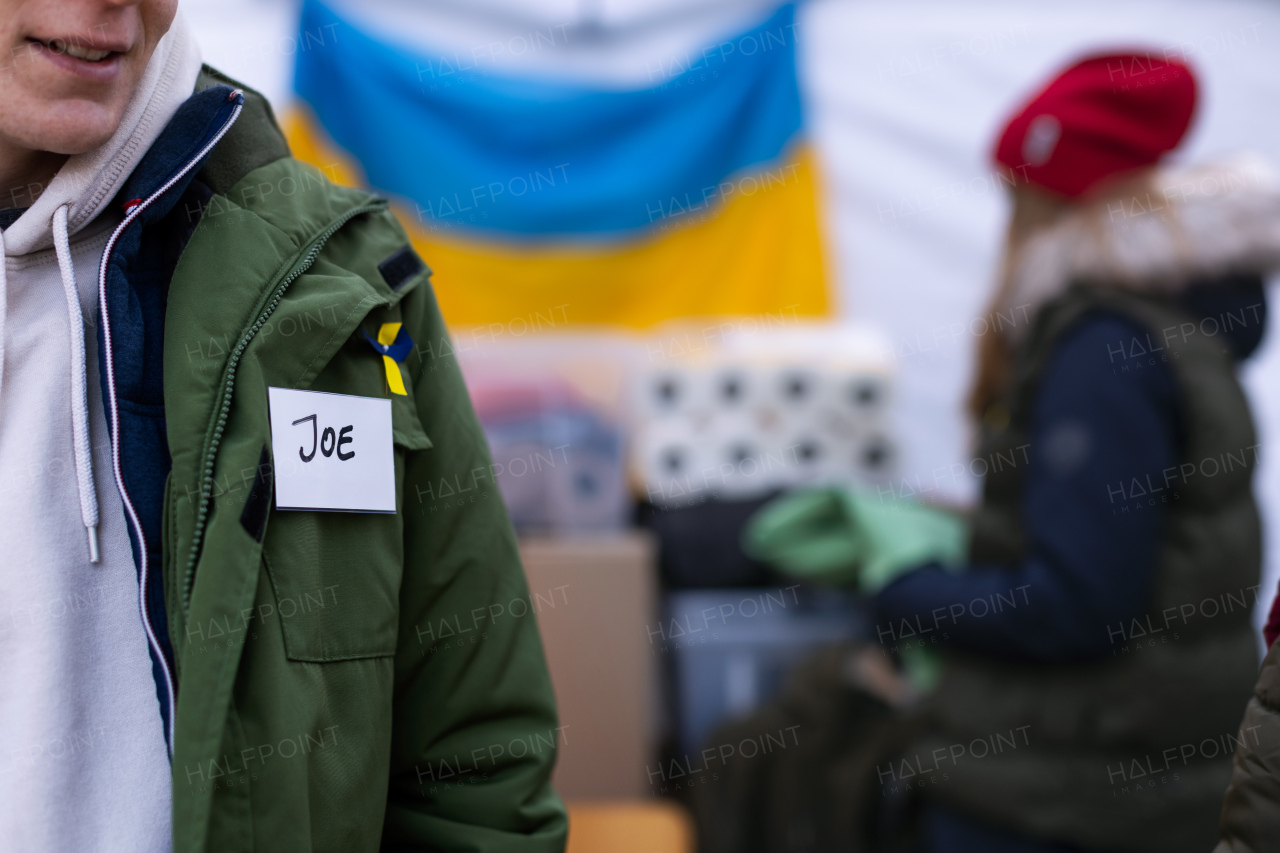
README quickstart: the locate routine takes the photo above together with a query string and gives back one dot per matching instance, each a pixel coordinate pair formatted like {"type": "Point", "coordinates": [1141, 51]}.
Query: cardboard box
{"type": "Point", "coordinates": [596, 599]}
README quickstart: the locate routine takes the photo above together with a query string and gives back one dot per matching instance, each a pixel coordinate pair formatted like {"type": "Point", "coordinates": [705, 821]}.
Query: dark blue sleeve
{"type": "Point", "coordinates": [1104, 429]}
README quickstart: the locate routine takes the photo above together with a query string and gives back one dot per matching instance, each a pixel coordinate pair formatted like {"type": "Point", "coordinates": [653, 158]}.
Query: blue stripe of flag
{"type": "Point", "coordinates": [523, 156]}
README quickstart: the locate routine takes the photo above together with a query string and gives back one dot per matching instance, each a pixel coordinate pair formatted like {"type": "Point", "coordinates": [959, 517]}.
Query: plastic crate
{"type": "Point", "coordinates": [729, 650]}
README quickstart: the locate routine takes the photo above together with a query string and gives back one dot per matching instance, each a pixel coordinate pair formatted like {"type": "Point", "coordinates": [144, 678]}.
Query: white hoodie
{"type": "Point", "coordinates": [83, 764]}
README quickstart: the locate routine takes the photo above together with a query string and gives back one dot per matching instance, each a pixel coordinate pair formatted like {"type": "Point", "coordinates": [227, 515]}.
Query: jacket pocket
{"type": "Point", "coordinates": [336, 575]}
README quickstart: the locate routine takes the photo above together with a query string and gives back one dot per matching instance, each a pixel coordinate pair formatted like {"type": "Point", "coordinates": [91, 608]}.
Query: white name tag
{"type": "Point", "coordinates": [332, 451]}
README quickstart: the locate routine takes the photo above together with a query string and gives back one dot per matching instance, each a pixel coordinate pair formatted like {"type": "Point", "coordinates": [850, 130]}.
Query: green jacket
{"type": "Point", "coordinates": [344, 681]}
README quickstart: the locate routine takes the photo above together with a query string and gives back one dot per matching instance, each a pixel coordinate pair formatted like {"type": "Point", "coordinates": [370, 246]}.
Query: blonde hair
{"type": "Point", "coordinates": [1035, 211]}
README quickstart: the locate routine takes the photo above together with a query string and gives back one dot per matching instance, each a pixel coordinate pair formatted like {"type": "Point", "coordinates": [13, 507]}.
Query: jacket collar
{"type": "Point", "coordinates": [1196, 225]}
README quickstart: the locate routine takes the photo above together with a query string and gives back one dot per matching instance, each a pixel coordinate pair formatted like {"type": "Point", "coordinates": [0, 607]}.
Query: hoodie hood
{"type": "Point", "coordinates": [1197, 229]}
{"type": "Point", "coordinates": [1232, 306]}
{"type": "Point", "coordinates": [87, 182]}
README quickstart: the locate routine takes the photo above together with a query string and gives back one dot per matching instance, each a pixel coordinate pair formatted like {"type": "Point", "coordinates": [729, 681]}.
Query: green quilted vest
{"type": "Point", "coordinates": [1132, 752]}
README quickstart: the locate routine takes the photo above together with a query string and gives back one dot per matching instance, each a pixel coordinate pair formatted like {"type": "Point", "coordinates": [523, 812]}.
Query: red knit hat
{"type": "Point", "coordinates": [1102, 116]}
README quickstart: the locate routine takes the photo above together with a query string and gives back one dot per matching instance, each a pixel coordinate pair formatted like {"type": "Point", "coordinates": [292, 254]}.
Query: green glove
{"type": "Point", "coordinates": [808, 535]}
{"type": "Point", "coordinates": [901, 535]}
{"type": "Point", "coordinates": [923, 668]}
{"type": "Point", "coordinates": [842, 537]}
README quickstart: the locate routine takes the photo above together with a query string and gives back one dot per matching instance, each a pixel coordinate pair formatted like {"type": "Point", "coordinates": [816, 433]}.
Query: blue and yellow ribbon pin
{"type": "Point", "coordinates": [395, 345]}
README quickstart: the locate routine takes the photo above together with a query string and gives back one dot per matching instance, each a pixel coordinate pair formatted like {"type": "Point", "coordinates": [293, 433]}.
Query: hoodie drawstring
{"type": "Point", "coordinates": [79, 383]}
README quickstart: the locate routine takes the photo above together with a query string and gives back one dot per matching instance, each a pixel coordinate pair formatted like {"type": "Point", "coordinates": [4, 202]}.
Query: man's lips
{"type": "Point", "coordinates": [91, 59]}
{"type": "Point", "coordinates": [83, 48]}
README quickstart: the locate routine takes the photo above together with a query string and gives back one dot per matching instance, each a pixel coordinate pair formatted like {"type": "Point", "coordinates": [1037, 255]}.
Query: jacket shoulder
{"type": "Point", "coordinates": [253, 141]}
{"type": "Point", "coordinates": [296, 200]}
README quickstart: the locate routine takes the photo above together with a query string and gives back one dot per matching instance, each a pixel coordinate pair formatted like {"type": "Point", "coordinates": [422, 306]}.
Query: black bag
{"type": "Point", "coordinates": [699, 545]}
{"type": "Point", "coordinates": [812, 785]}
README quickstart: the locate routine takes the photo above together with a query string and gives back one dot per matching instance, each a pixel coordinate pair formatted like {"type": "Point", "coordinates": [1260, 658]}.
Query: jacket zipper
{"type": "Point", "coordinates": [133, 213]}
{"type": "Point", "coordinates": [228, 382]}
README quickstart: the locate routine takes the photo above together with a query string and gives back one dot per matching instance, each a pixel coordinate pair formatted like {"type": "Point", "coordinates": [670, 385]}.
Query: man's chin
{"type": "Point", "coordinates": [73, 127]}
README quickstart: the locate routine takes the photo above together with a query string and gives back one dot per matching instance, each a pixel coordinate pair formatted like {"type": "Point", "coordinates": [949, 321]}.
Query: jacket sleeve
{"type": "Point", "coordinates": [474, 722]}
{"type": "Point", "coordinates": [1092, 556]}
{"type": "Point", "coordinates": [1251, 809]}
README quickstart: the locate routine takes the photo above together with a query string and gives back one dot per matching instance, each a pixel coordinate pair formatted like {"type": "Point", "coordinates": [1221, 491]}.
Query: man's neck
{"type": "Point", "coordinates": [24, 174]}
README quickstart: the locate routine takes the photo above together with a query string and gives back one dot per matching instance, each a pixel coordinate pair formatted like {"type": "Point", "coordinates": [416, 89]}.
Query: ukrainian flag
{"type": "Point", "coordinates": [694, 196]}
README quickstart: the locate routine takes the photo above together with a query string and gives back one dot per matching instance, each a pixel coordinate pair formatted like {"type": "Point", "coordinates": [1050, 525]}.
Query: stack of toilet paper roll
{"type": "Point", "coordinates": [741, 423]}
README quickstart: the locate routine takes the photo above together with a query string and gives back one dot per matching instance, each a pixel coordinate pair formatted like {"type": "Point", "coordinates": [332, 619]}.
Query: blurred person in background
{"type": "Point", "coordinates": [1096, 646]}
{"type": "Point", "coordinates": [185, 667]}
{"type": "Point", "coordinates": [1251, 808]}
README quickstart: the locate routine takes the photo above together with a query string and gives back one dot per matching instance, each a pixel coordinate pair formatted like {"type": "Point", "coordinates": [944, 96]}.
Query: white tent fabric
{"type": "Point", "coordinates": [902, 100]}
